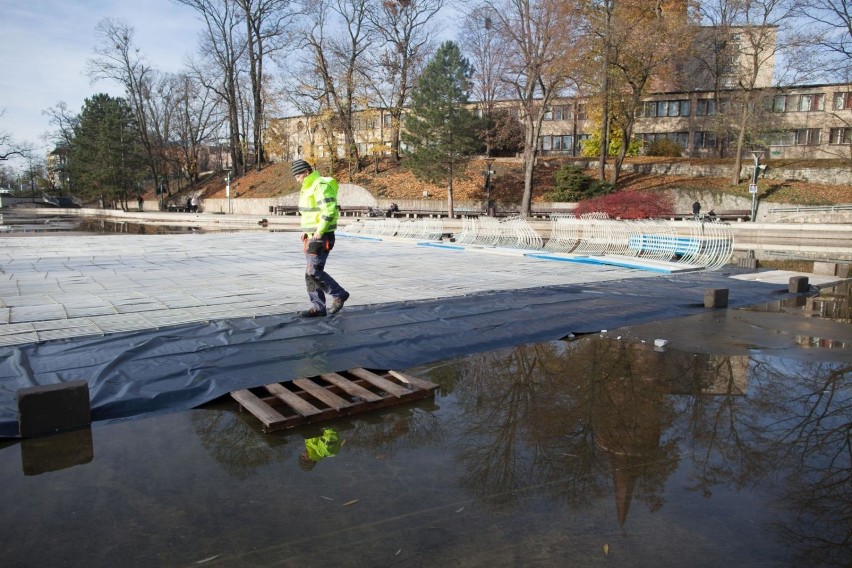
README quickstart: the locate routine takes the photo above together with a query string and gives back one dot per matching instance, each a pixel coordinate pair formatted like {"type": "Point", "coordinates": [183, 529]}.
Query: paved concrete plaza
{"type": "Point", "coordinates": [73, 286]}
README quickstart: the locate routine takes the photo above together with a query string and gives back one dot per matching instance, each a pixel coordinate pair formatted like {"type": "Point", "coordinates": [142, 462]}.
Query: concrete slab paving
{"type": "Point", "coordinates": [59, 287]}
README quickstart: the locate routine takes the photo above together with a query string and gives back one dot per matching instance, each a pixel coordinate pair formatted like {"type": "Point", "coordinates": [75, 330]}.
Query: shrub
{"type": "Point", "coordinates": [629, 205]}
{"type": "Point", "coordinates": [573, 184]}
{"type": "Point", "coordinates": [664, 147]}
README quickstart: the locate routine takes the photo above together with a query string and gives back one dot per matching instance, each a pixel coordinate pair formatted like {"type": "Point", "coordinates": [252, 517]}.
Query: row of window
{"type": "Point", "coordinates": [566, 112]}
{"type": "Point", "coordinates": [707, 139]}
{"type": "Point", "coordinates": [780, 103]}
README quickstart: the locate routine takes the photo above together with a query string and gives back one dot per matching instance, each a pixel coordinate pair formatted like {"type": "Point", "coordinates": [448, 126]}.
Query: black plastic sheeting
{"type": "Point", "coordinates": [177, 368]}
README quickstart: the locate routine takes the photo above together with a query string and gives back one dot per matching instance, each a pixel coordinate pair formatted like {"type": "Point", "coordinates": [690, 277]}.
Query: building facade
{"type": "Point", "coordinates": [807, 121]}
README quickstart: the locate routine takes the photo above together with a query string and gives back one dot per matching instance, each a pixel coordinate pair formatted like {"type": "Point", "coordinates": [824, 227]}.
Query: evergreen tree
{"type": "Point", "coordinates": [106, 155]}
{"type": "Point", "coordinates": [441, 131]}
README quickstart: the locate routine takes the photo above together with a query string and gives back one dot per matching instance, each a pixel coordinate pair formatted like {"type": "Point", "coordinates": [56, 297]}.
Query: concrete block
{"type": "Point", "coordinates": [829, 268]}
{"type": "Point", "coordinates": [53, 408]}
{"type": "Point", "coordinates": [750, 263]}
{"type": "Point", "coordinates": [842, 270]}
{"type": "Point", "coordinates": [716, 298]}
{"type": "Point", "coordinates": [798, 285]}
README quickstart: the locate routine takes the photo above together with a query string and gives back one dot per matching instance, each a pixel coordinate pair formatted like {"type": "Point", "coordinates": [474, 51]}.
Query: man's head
{"type": "Point", "coordinates": [301, 169]}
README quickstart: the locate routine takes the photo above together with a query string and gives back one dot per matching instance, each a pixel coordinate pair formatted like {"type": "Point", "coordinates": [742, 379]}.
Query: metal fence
{"type": "Point", "coordinates": [701, 244]}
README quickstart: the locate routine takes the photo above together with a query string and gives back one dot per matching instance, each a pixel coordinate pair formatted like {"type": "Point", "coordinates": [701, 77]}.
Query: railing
{"type": "Point", "coordinates": [705, 244]}
{"type": "Point", "coordinates": [425, 228]}
{"type": "Point", "coordinates": [811, 208]}
{"type": "Point", "coordinates": [695, 243]}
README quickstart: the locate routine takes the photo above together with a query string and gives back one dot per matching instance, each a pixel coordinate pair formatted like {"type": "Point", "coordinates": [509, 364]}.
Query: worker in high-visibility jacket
{"type": "Point", "coordinates": [318, 208]}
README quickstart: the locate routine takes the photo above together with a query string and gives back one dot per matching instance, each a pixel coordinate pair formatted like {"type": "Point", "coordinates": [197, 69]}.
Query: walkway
{"type": "Point", "coordinates": [62, 287]}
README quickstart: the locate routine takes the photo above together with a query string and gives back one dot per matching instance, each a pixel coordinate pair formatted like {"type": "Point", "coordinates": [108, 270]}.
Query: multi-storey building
{"type": "Point", "coordinates": [806, 121]}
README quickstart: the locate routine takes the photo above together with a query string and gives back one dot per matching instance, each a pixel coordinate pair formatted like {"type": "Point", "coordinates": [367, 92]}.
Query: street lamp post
{"type": "Point", "coordinates": [228, 189]}
{"type": "Point", "coordinates": [752, 188]}
{"type": "Point", "coordinates": [488, 172]}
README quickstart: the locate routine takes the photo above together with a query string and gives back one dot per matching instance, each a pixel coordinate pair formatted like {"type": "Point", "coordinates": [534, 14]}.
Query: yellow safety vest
{"type": "Point", "coordinates": [318, 204]}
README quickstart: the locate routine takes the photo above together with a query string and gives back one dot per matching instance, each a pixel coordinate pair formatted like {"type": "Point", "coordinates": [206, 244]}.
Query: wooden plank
{"type": "Point", "coordinates": [381, 382]}
{"type": "Point", "coordinates": [256, 406]}
{"type": "Point", "coordinates": [413, 381]}
{"type": "Point", "coordinates": [322, 394]}
{"type": "Point", "coordinates": [350, 387]}
{"type": "Point", "coordinates": [298, 404]}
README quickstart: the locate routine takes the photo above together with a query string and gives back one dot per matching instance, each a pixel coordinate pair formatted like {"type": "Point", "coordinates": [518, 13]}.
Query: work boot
{"type": "Point", "coordinates": [312, 313]}
{"type": "Point", "coordinates": [337, 304]}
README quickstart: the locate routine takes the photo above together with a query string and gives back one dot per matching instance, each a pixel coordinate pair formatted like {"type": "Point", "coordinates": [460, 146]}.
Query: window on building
{"type": "Point", "coordinates": [387, 120]}
{"type": "Point", "coordinates": [779, 104]}
{"type": "Point", "coordinates": [807, 136]}
{"type": "Point", "coordinates": [782, 138]}
{"type": "Point", "coordinates": [666, 108]}
{"type": "Point", "coordinates": [842, 135]}
{"type": "Point", "coordinates": [581, 112]}
{"type": "Point", "coordinates": [704, 139]}
{"type": "Point", "coordinates": [705, 107]}
{"type": "Point", "coordinates": [812, 102]}
{"type": "Point", "coordinates": [556, 143]}
{"type": "Point", "coordinates": [842, 101]}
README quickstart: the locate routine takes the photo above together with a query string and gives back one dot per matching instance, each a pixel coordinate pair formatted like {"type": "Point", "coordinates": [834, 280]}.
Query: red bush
{"type": "Point", "coordinates": [629, 205]}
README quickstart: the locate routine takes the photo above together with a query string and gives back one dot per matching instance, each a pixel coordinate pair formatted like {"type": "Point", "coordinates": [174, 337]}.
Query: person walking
{"type": "Point", "coordinates": [696, 210]}
{"type": "Point", "coordinates": [318, 208]}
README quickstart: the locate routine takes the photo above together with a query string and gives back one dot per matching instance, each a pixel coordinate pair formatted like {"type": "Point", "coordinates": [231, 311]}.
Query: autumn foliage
{"type": "Point", "coordinates": [629, 205]}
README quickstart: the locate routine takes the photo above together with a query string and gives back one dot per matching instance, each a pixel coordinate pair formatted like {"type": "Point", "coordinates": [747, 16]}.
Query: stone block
{"type": "Point", "coordinates": [798, 285]}
{"type": "Point", "coordinates": [716, 298]}
{"type": "Point", "coordinates": [750, 263]}
{"type": "Point", "coordinates": [53, 408]}
{"type": "Point", "coordinates": [829, 268]}
{"type": "Point", "coordinates": [842, 270]}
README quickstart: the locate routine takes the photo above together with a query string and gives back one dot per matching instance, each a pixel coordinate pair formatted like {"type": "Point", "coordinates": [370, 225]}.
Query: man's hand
{"type": "Point", "coordinates": [317, 236]}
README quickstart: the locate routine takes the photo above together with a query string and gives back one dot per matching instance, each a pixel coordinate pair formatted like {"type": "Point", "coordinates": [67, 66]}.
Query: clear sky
{"type": "Point", "coordinates": [44, 46]}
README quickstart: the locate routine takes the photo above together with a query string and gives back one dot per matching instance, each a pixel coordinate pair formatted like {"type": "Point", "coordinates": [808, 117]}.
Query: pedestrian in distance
{"type": "Point", "coordinates": [140, 201]}
{"type": "Point", "coordinates": [318, 208]}
{"type": "Point", "coordinates": [696, 210]}
{"type": "Point", "coordinates": [193, 204]}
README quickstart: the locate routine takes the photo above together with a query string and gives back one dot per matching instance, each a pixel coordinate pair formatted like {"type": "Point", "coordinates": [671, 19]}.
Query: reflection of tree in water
{"type": "Point", "coordinates": [384, 433]}
{"type": "Point", "coordinates": [540, 414]}
{"type": "Point", "coordinates": [793, 426]}
{"type": "Point", "coordinates": [240, 448]}
{"type": "Point", "coordinates": [814, 442]}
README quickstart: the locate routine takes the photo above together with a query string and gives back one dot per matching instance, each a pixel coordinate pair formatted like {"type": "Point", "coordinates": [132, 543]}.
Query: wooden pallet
{"type": "Point", "coordinates": [331, 395]}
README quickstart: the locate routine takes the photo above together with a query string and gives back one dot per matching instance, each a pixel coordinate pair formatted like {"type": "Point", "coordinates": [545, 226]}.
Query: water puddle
{"type": "Point", "coordinates": [603, 448]}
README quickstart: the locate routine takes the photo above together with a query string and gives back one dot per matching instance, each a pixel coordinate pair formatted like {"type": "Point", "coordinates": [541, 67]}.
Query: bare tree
{"type": "Point", "coordinates": [831, 27]}
{"type": "Point", "coordinates": [539, 39]}
{"type": "Point", "coordinates": [198, 115]}
{"type": "Point", "coordinates": [266, 23]}
{"type": "Point", "coordinates": [337, 51]}
{"type": "Point", "coordinates": [223, 45]}
{"type": "Point", "coordinates": [119, 60]}
{"type": "Point", "coordinates": [8, 147]}
{"type": "Point", "coordinates": [407, 31]}
{"type": "Point", "coordinates": [645, 41]}
{"type": "Point", "coordinates": [489, 66]}
{"type": "Point", "coordinates": [749, 36]}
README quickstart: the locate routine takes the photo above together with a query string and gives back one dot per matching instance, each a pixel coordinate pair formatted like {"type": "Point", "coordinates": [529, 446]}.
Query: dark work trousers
{"type": "Point", "coordinates": [317, 280]}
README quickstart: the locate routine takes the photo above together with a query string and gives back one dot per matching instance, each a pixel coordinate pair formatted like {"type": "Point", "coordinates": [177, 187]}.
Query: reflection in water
{"type": "Point", "coordinates": [57, 452]}
{"type": "Point", "coordinates": [318, 448]}
{"type": "Point", "coordinates": [833, 303]}
{"type": "Point", "coordinates": [528, 456]}
{"type": "Point", "coordinates": [568, 417]}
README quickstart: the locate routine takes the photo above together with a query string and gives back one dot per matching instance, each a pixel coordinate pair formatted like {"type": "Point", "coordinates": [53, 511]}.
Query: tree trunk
{"type": "Point", "coordinates": [738, 157]}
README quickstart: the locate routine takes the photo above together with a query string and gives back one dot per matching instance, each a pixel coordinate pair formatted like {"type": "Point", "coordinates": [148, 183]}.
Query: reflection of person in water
{"type": "Point", "coordinates": [323, 446]}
